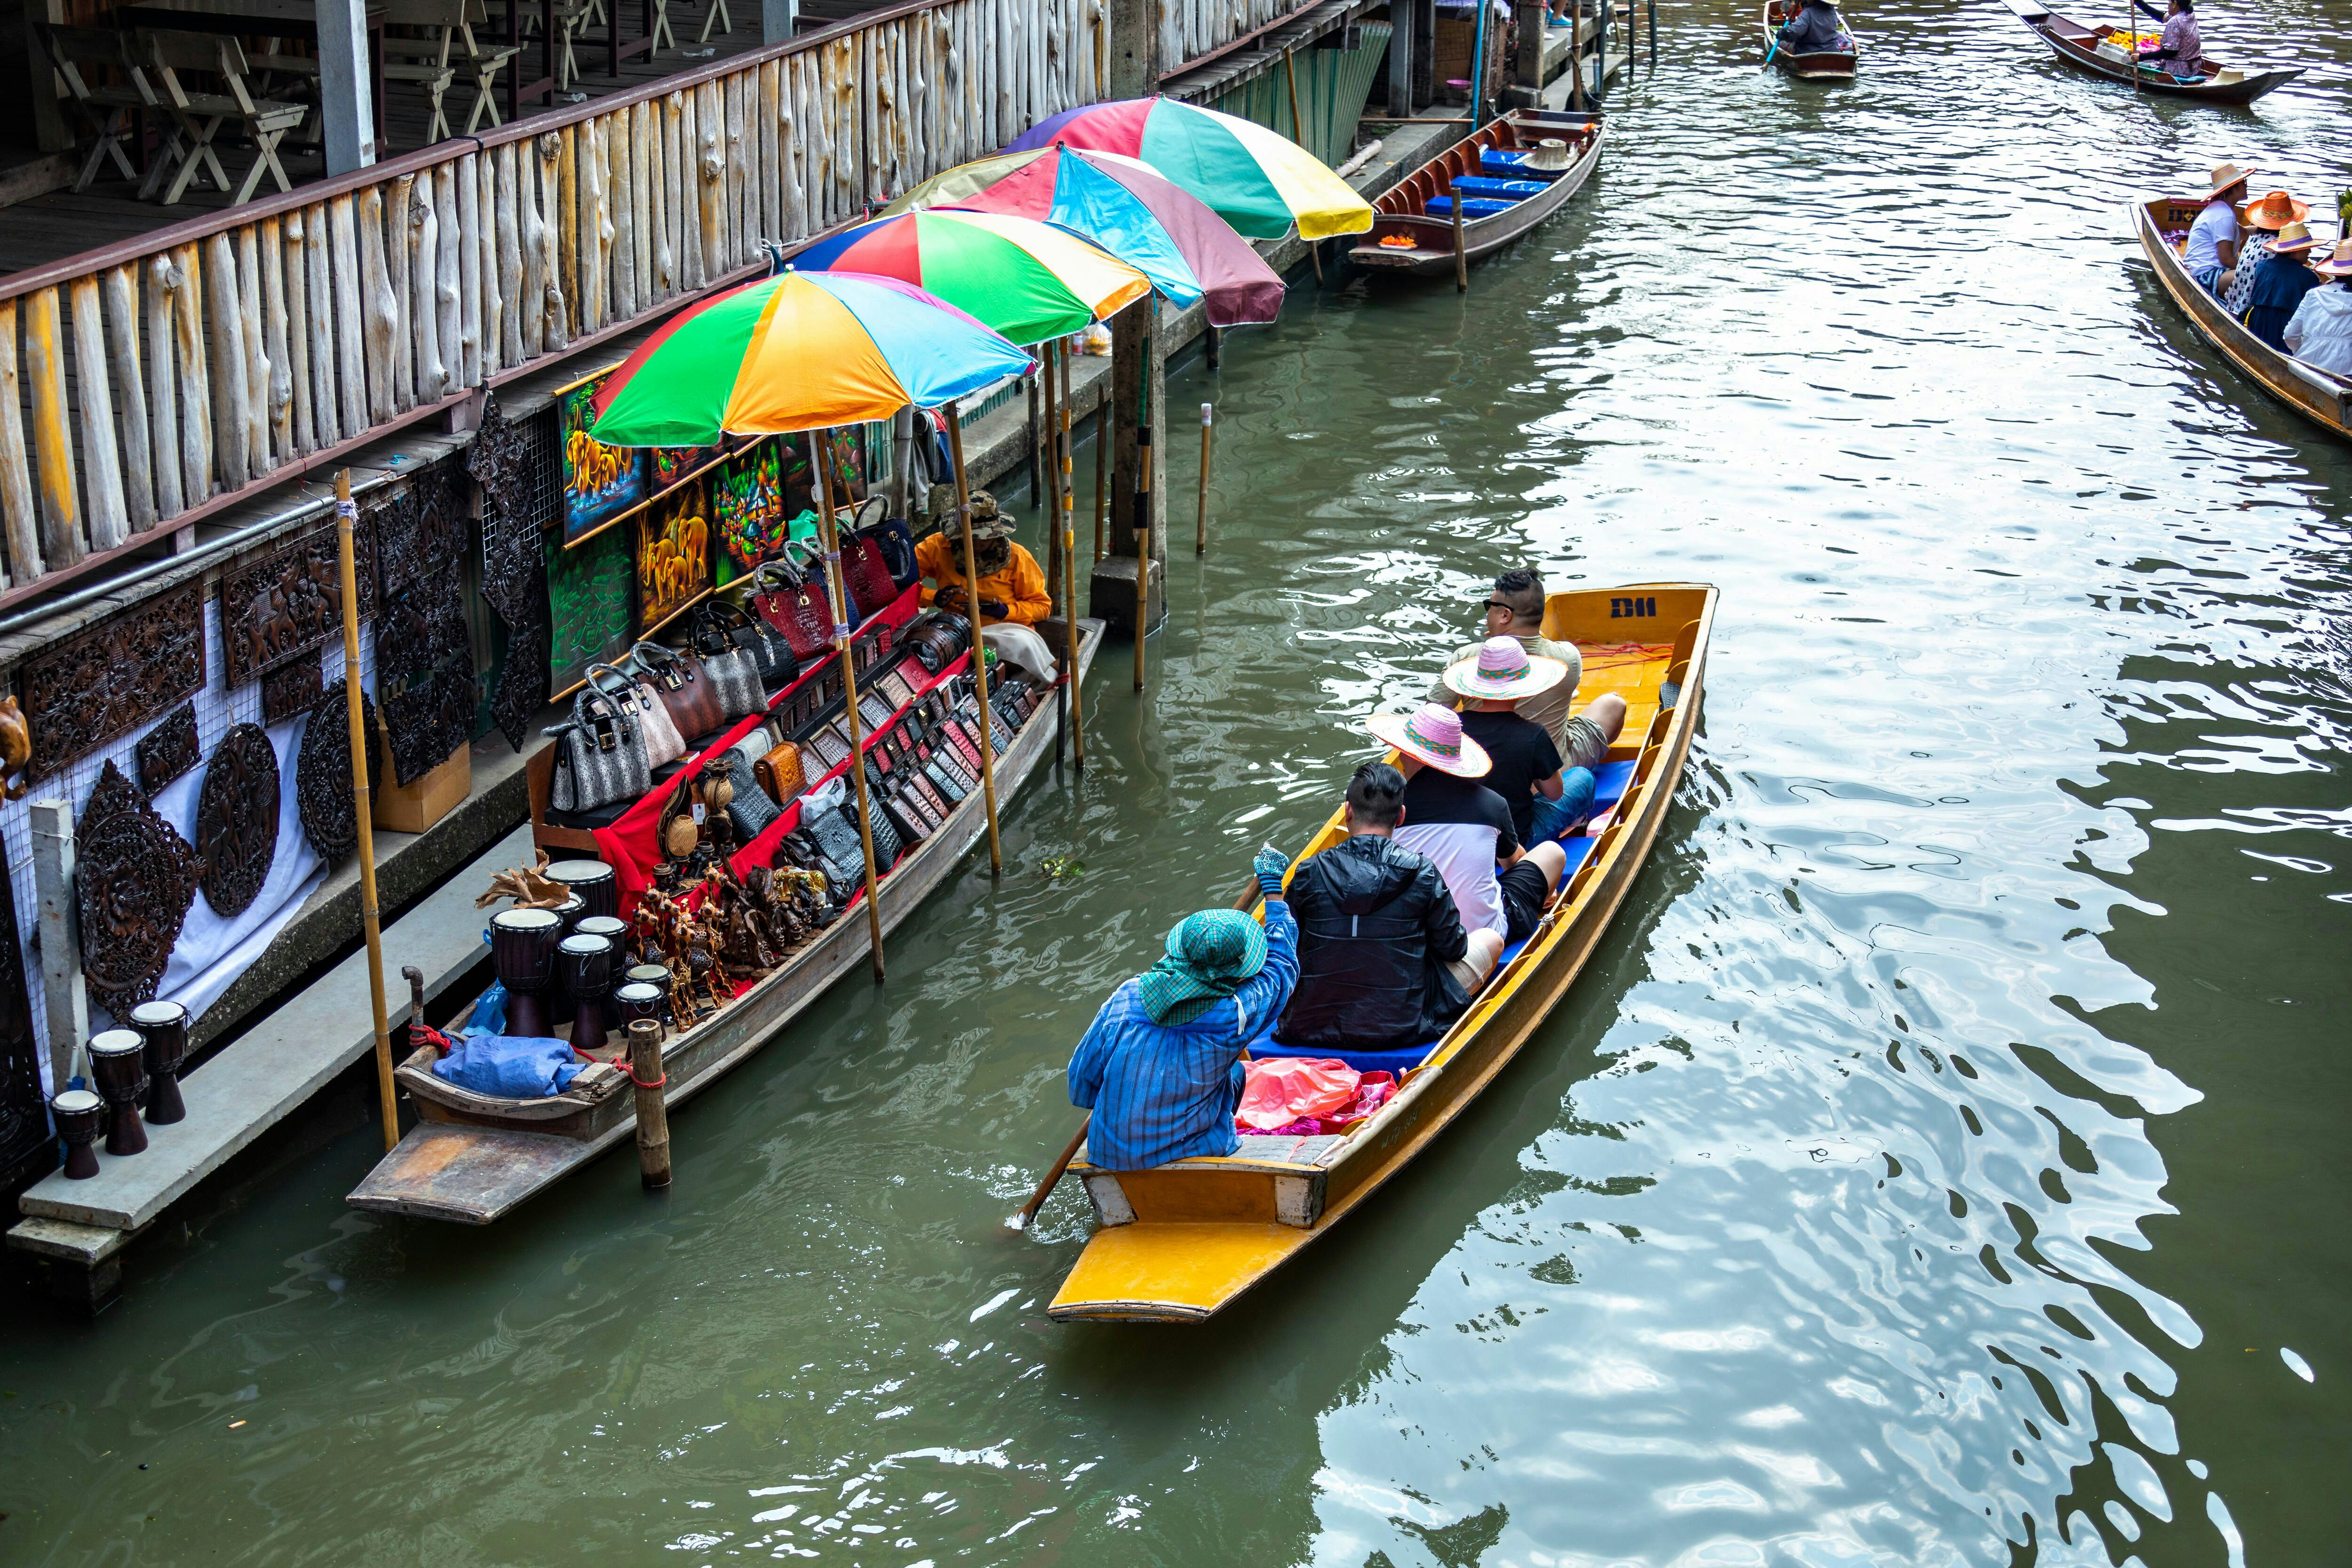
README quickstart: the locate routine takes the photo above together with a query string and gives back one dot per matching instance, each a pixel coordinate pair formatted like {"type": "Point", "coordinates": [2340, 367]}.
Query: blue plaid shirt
{"type": "Point", "coordinates": [1161, 1093]}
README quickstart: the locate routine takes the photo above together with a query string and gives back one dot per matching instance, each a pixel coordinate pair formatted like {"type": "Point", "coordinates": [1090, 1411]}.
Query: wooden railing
{"type": "Point", "coordinates": [1191, 29]}
{"type": "Point", "coordinates": [149, 384]}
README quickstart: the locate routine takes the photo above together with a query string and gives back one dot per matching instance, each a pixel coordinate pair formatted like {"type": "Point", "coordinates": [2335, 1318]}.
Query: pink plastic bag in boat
{"type": "Point", "coordinates": [1287, 1089]}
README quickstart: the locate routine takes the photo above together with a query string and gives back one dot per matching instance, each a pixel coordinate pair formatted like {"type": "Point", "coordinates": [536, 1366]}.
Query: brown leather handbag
{"type": "Point", "coordinates": [677, 678]}
{"type": "Point", "coordinates": [779, 773]}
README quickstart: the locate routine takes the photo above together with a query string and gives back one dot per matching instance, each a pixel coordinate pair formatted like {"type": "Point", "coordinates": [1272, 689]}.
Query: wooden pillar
{"type": "Point", "coordinates": [62, 996]}
{"type": "Point", "coordinates": [1534, 18]}
{"type": "Point", "coordinates": [777, 20]}
{"type": "Point", "coordinates": [1401, 57]}
{"type": "Point", "coordinates": [346, 95]}
{"type": "Point", "coordinates": [1138, 379]}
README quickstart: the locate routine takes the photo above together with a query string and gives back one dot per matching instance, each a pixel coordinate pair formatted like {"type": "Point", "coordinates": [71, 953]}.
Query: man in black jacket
{"type": "Point", "coordinates": [1383, 962]}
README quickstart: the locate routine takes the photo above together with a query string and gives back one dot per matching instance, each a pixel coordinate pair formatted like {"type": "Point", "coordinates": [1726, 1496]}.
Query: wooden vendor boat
{"type": "Point", "coordinates": [2077, 43]}
{"type": "Point", "coordinates": [471, 1157]}
{"type": "Point", "coordinates": [2322, 397]}
{"type": "Point", "coordinates": [1407, 236]}
{"type": "Point", "coordinates": [1179, 1243]}
{"type": "Point", "coordinates": [1822, 65]}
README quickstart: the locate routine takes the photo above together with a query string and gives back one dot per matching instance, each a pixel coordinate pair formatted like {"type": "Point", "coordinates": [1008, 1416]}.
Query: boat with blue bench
{"type": "Point", "coordinates": [1179, 1243]}
{"type": "Point", "coordinates": [1504, 176]}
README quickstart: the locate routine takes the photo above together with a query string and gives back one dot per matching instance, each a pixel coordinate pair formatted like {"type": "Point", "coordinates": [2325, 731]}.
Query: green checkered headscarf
{"type": "Point", "coordinates": [1209, 956]}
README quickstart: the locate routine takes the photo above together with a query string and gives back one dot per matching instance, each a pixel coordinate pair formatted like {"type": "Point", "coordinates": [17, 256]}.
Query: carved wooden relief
{"type": "Point", "coordinates": [514, 568]}
{"type": "Point", "coordinates": [113, 677]}
{"type": "Point", "coordinates": [168, 751]}
{"type": "Point", "coordinates": [425, 673]}
{"type": "Point", "coordinates": [292, 689]}
{"type": "Point", "coordinates": [136, 878]}
{"type": "Point", "coordinates": [290, 600]}
{"type": "Point", "coordinates": [23, 1120]}
{"type": "Point", "coordinates": [322, 774]}
{"type": "Point", "coordinates": [236, 820]}
{"type": "Point", "coordinates": [420, 528]}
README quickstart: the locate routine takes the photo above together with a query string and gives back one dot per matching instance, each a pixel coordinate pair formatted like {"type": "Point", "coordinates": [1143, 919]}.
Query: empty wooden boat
{"type": "Point", "coordinates": [1412, 224]}
{"type": "Point", "coordinates": [2322, 397]}
{"type": "Point", "coordinates": [1821, 65]}
{"type": "Point", "coordinates": [2079, 44]}
{"type": "Point", "coordinates": [1180, 1242]}
{"type": "Point", "coordinates": [471, 1157]}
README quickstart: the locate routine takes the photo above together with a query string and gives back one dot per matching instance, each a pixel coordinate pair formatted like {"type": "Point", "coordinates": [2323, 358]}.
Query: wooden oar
{"type": "Point", "coordinates": [1053, 1178]}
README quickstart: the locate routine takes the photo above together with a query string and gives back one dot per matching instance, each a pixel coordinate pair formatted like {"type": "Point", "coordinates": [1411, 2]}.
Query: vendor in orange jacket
{"type": "Point", "coordinates": [1012, 584]}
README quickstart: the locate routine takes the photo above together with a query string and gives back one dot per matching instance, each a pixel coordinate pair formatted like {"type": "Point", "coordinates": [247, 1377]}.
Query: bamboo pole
{"type": "Point", "coordinates": [1575, 58]}
{"type": "Point", "coordinates": [979, 654]}
{"type": "Point", "coordinates": [1299, 134]}
{"type": "Point", "coordinates": [363, 806]}
{"type": "Point", "coordinates": [1461, 258]}
{"type": "Point", "coordinates": [1208, 437]}
{"type": "Point", "coordinates": [1052, 502]}
{"type": "Point", "coordinates": [1073, 696]}
{"type": "Point", "coordinates": [841, 629]}
{"type": "Point", "coordinates": [647, 1072]}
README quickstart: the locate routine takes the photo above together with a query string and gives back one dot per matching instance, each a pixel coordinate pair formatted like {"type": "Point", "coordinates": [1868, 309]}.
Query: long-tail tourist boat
{"type": "Point", "coordinates": [1820, 65]}
{"type": "Point", "coordinates": [1510, 175]}
{"type": "Point", "coordinates": [472, 1157]}
{"type": "Point", "coordinates": [1180, 1242]}
{"type": "Point", "coordinates": [2090, 48]}
{"type": "Point", "coordinates": [2319, 396]}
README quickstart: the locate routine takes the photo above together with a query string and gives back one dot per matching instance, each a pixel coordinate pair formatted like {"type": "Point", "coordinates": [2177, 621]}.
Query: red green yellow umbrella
{"type": "Point", "coordinates": [1259, 182]}
{"type": "Point", "coordinates": [800, 351]}
{"type": "Point", "coordinates": [1027, 279]}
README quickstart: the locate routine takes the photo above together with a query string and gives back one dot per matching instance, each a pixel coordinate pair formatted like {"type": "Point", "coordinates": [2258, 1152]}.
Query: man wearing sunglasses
{"type": "Point", "coordinates": [1516, 609]}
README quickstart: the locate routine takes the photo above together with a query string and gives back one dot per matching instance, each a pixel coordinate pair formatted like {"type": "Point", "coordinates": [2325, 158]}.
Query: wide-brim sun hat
{"type": "Point", "coordinates": [2293, 240]}
{"type": "Point", "coordinates": [2339, 261]}
{"type": "Point", "coordinates": [1504, 671]}
{"type": "Point", "coordinates": [1551, 152]}
{"type": "Point", "coordinates": [1433, 734]}
{"type": "Point", "coordinates": [2275, 211]}
{"type": "Point", "coordinates": [2226, 175]}
{"type": "Point", "coordinates": [988, 519]}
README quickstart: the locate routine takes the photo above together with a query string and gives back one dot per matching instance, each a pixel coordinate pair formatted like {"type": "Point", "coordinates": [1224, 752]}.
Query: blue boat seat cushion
{"type": "Point", "coordinates": [1472, 208]}
{"type": "Point", "coordinates": [1499, 190]}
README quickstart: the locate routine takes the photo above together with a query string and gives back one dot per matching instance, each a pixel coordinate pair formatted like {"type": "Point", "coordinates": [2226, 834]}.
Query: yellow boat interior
{"type": "Point", "coordinates": [1177, 1243]}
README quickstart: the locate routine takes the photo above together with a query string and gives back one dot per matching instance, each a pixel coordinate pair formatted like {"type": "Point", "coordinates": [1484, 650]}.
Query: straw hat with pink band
{"type": "Point", "coordinates": [1505, 671]}
{"type": "Point", "coordinates": [1433, 735]}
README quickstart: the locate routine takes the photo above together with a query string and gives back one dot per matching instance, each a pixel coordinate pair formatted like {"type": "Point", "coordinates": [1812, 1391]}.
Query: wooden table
{"type": "Point", "coordinates": [262, 19]}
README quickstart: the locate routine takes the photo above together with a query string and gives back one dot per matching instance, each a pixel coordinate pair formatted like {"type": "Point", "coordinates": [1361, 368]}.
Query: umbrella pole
{"type": "Point", "coordinates": [840, 630]}
{"type": "Point", "coordinates": [1053, 442]}
{"type": "Point", "coordinates": [1070, 579]}
{"type": "Point", "coordinates": [346, 514]}
{"type": "Point", "coordinates": [979, 654]}
{"type": "Point", "coordinates": [1299, 134]}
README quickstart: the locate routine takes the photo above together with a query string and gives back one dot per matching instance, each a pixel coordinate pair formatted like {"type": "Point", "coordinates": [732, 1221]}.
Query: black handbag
{"type": "Point", "coordinates": [719, 626]}
{"type": "Point", "coordinates": [600, 755]}
{"type": "Point", "coordinates": [888, 844]}
{"type": "Point", "coordinates": [834, 833]}
{"type": "Point", "coordinates": [752, 809]}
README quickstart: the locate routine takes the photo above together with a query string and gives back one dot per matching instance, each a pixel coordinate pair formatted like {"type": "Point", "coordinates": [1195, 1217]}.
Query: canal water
{"type": "Point", "coordinates": [1940, 1162]}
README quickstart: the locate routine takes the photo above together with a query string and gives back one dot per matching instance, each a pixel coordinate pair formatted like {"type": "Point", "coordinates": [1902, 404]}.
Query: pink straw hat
{"type": "Point", "coordinates": [1503, 670]}
{"type": "Point", "coordinates": [1433, 735]}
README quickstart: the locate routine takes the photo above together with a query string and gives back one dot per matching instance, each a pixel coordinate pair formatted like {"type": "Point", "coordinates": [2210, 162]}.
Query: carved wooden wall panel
{"type": "Point", "coordinates": [424, 672]}
{"type": "Point", "coordinates": [104, 682]}
{"type": "Point", "coordinates": [322, 772]}
{"type": "Point", "coordinates": [136, 878]}
{"type": "Point", "coordinates": [236, 820]}
{"type": "Point", "coordinates": [23, 1118]}
{"type": "Point", "coordinates": [292, 689]}
{"type": "Point", "coordinates": [169, 750]}
{"type": "Point", "coordinates": [290, 600]}
{"type": "Point", "coordinates": [421, 527]}
{"type": "Point", "coordinates": [514, 567]}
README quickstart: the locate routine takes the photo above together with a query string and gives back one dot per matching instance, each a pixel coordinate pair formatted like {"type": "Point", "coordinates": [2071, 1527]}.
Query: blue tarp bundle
{"type": "Point", "coordinates": [516, 1066]}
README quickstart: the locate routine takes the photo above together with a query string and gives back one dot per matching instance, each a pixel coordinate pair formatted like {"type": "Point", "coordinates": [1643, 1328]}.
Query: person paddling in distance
{"type": "Point", "coordinates": [1160, 1066]}
{"type": "Point", "coordinates": [1818, 29]}
{"type": "Point", "coordinates": [1466, 827]}
{"type": "Point", "coordinates": [2212, 254]}
{"type": "Point", "coordinates": [2320, 333]}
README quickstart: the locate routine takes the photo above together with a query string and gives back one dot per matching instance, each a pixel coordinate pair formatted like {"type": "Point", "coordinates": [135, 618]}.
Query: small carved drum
{"type": "Point", "coordinates": [522, 954]}
{"type": "Point", "coordinates": [592, 880]}
{"type": "Point", "coordinates": [611, 928]}
{"type": "Point", "coordinates": [585, 965]}
{"type": "Point", "coordinates": [163, 1025]}
{"type": "Point", "coordinates": [79, 1115]}
{"type": "Point", "coordinates": [657, 977]}
{"type": "Point", "coordinates": [117, 1066]}
{"type": "Point", "coordinates": [570, 912]}
{"type": "Point", "coordinates": [637, 1000]}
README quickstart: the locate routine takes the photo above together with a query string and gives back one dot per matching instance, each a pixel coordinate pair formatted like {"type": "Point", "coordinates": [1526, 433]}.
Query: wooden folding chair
{"type": "Point", "coordinates": [482, 60]}
{"type": "Point", "coordinates": [201, 115]}
{"type": "Point", "coordinates": [717, 11]}
{"type": "Point", "coordinates": [425, 59]}
{"type": "Point", "coordinates": [71, 49]}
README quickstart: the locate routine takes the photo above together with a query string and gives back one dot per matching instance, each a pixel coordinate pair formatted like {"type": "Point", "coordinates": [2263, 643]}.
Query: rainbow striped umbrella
{"type": "Point", "coordinates": [798, 351]}
{"type": "Point", "coordinates": [1259, 182]}
{"type": "Point", "coordinates": [1151, 224]}
{"type": "Point", "coordinates": [1028, 281]}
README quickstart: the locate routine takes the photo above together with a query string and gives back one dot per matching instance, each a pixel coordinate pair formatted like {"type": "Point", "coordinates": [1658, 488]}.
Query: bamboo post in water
{"type": "Point", "coordinates": [1102, 471]}
{"type": "Point", "coordinates": [362, 803]}
{"type": "Point", "coordinates": [841, 629]}
{"type": "Point", "coordinates": [1461, 259]}
{"type": "Point", "coordinates": [1050, 438]}
{"type": "Point", "coordinates": [1575, 57]}
{"type": "Point", "coordinates": [1142, 516]}
{"type": "Point", "coordinates": [1299, 134]}
{"type": "Point", "coordinates": [1208, 434]}
{"type": "Point", "coordinates": [979, 652]}
{"type": "Point", "coordinates": [647, 1073]}
{"type": "Point", "coordinates": [1072, 693]}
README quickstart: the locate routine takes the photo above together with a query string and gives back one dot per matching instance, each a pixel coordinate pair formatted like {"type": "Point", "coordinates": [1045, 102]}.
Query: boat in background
{"type": "Point", "coordinates": [2086, 48]}
{"type": "Point", "coordinates": [2322, 397]}
{"type": "Point", "coordinates": [1822, 65]}
{"type": "Point", "coordinates": [1412, 222]}
{"type": "Point", "coordinates": [1179, 1243]}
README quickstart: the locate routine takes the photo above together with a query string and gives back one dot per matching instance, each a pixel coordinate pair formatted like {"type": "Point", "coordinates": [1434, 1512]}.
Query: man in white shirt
{"type": "Point", "coordinates": [2212, 249]}
{"type": "Point", "coordinates": [2320, 332]}
{"type": "Point", "coordinates": [1516, 609]}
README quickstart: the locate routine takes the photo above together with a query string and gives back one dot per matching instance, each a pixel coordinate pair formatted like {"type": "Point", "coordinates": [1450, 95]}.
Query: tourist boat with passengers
{"type": "Point", "coordinates": [1510, 175]}
{"type": "Point", "coordinates": [2319, 396]}
{"type": "Point", "coordinates": [2089, 48]}
{"type": "Point", "coordinates": [1821, 65]}
{"type": "Point", "coordinates": [472, 1157]}
{"type": "Point", "coordinates": [1179, 1243]}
